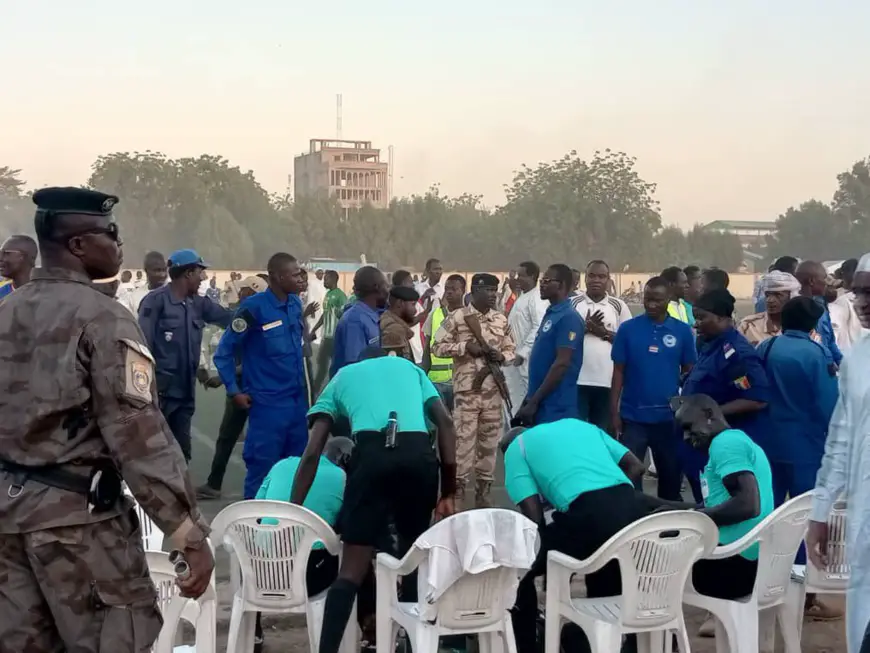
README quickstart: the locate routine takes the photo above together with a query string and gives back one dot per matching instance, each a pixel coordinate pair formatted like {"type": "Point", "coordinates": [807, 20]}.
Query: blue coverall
{"type": "Point", "coordinates": [728, 369]}
{"type": "Point", "coordinates": [267, 332]}
{"type": "Point", "coordinates": [173, 331]}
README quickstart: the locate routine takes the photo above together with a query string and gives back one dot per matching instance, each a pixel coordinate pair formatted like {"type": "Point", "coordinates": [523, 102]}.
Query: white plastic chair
{"type": "Point", "coordinates": [269, 563]}
{"type": "Point", "coordinates": [152, 537]}
{"type": "Point", "coordinates": [200, 613]}
{"type": "Point", "coordinates": [779, 536]}
{"type": "Point", "coordinates": [655, 556]}
{"type": "Point", "coordinates": [834, 578]}
{"type": "Point", "coordinates": [473, 604]}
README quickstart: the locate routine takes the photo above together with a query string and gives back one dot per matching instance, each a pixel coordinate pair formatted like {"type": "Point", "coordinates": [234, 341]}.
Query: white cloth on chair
{"type": "Point", "coordinates": [472, 542]}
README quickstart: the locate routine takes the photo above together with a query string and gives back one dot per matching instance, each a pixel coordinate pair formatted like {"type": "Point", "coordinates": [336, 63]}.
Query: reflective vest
{"type": "Point", "coordinates": [441, 369]}
{"type": "Point", "coordinates": [677, 310]}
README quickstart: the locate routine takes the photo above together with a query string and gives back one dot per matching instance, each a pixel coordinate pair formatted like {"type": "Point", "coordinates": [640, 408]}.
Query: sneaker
{"type": "Point", "coordinates": [815, 610]}
{"type": "Point", "coordinates": [207, 492]}
{"type": "Point", "coordinates": [708, 628]}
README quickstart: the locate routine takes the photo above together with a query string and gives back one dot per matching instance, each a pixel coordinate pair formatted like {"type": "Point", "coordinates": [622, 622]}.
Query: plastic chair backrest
{"type": "Point", "coordinates": [655, 556]}
{"type": "Point", "coordinates": [272, 557]}
{"type": "Point", "coordinates": [474, 600]}
{"type": "Point", "coordinates": [835, 576]}
{"type": "Point", "coordinates": [152, 537]}
{"type": "Point", "coordinates": [780, 536]}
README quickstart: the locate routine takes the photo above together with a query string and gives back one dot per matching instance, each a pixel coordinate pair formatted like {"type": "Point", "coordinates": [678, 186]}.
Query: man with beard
{"type": "Point", "coordinates": [396, 322]}
{"type": "Point", "coordinates": [155, 273]}
{"type": "Point", "coordinates": [171, 319]}
{"type": "Point", "coordinates": [17, 258]}
{"type": "Point", "coordinates": [777, 289]}
{"type": "Point", "coordinates": [845, 468]}
{"type": "Point", "coordinates": [267, 332]}
{"type": "Point", "coordinates": [74, 571]}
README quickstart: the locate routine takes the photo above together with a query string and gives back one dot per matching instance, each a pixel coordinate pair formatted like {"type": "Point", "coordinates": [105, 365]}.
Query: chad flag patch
{"type": "Point", "coordinates": [742, 383]}
{"type": "Point", "coordinates": [572, 336]}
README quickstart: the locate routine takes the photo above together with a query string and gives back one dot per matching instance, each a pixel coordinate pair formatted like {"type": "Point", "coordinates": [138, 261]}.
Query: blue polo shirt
{"type": "Point", "coordinates": [562, 460]}
{"type": "Point", "coordinates": [652, 354]}
{"type": "Point", "coordinates": [366, 392]}
{"type": "Point", "coordinates": [358, 329]}
{"type": "Point", "coordinates": [801, 399]}
{"type": "Point", "coordinates": [731, 452]}
{"type": "Point", "coordinates": [561, 327]}
{"type": "Point", "coordinates": [6, 288]}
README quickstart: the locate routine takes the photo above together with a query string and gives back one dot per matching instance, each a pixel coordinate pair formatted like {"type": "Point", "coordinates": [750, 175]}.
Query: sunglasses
{"type": "Point", "coordinates": [111, 231]}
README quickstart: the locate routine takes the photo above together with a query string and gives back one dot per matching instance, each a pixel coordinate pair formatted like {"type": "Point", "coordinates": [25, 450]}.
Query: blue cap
{"type": "Point", "coordinates": [186, 257]}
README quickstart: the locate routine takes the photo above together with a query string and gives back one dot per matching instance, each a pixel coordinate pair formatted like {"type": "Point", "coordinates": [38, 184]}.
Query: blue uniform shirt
{"type": "Point", "coordinates": [826, 330]}
{"type": "Point", "coordinates": [358, 329]}
{"type": "Point", "coordinates": [802, 397]}
{"type": "Point", "coordinates": [6, 289]}
{"type": "Point", "coordinates": [562, 460]}
{"type": "Point", "coordinates": [268, 334]}
{"type": "Point", "coordinates": [652, 355]}
{"type": "Point", "coordinates": [561, 327]}
{"type": "Point", "coordinates": [173, 331]}
{"type": "Point", "coordinates": [728, 369]}
{"type": "Point", "coordinates": [368, 391]}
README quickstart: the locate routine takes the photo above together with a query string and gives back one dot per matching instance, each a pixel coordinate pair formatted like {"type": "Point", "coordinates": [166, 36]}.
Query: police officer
{"type": "Point", "coordinates": [78, 409]}
{"type": "Point", "coordinates": [729, 370]}
{"type": "Point", "coordinates": [387, 479]}
{"type": "Point", "coordinates": [172, 319]}
{"type": "Point", "coordinates": [267, 332]}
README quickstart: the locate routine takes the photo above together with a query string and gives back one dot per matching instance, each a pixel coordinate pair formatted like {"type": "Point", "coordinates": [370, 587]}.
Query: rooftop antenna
{"type": "Point", "coordinates": [390, 170]}
{"type": "Point", "coordinates": [338, 116]}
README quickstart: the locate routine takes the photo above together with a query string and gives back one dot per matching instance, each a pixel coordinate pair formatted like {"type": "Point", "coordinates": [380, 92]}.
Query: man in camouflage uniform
{"type": "Point", "coordinates": [78, 408]}
{"type": "Point", "coordinates": [478, 411]}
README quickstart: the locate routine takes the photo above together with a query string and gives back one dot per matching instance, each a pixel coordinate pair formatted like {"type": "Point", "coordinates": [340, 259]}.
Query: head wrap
{"type": "Point", "coordinates": [777, 281]}
{"type": "Point", "coordinates": [801, 314]}
{"type": "Point", "coordinates": [864, 264]}
{"type": "Point", "coordinates": [717, 301]}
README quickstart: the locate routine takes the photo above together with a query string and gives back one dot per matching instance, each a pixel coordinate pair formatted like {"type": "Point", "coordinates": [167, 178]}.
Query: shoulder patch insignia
{"type": "Point", "coordinates": [572, 336]}
{"type": "Point", "coordinates": [239, 325]}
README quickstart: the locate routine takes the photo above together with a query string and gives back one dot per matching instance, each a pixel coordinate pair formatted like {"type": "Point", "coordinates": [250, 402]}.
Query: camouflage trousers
{"type": "Point", "coordinates": [478, 418]}
{"type": "Point", "coordinates": [77, 588]}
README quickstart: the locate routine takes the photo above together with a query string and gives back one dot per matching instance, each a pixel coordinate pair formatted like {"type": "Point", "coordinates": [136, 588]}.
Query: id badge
{"type": "Point", "coordinates": [705, 490]}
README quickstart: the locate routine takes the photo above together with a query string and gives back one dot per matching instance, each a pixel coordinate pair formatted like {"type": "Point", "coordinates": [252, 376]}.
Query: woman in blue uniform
{"type": "Point", "coordinates": [729, 370]}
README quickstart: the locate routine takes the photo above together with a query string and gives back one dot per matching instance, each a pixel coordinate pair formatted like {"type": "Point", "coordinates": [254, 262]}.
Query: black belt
{"type": "Point", "coordinates": [51, 475]}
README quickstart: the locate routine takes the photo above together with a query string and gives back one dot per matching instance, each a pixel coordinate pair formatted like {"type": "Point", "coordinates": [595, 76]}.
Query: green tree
{"type": "Point", "coordinates": [11, 184]}
{"type": "Point", "coordinates": [811, 231]}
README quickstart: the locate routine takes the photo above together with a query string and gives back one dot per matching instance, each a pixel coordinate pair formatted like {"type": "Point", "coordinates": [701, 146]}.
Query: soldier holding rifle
{"type": "Point", "coordinates": [479, 340]}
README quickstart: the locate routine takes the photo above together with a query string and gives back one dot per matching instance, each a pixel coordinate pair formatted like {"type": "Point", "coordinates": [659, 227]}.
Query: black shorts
{"type": "Point", "coordinates": [398, 485]}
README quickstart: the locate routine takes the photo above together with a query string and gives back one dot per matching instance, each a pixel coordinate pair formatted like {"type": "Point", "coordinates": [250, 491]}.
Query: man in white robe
{"type": "Point", "coordinates": [846, 467]}
{"type": "Point", "coordinates": [524, 320]}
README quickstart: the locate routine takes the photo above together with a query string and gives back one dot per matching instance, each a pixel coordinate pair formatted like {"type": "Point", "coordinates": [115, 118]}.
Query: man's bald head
{"type": "Point", "coordinates": [812, 277]}
{"type": "Point", "coordinates": [17, 258]}
{"type": "Point", "coordinates": [24, 244]}
{"type": "Point", "coordinates": [338, 451]}
{"type": "Point", "coordinates": [510, 436]}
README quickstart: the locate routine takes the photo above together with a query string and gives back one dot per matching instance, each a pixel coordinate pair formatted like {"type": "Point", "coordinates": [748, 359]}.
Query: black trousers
{"type": "Point", "coordinates": [178, 414]}
{"type": "Point", "coordinates": [729, 578]}
{"type": "Point", "coordinates": [594, 405]}
{"type": "Point", "coordinates": [591, 520]}
{"type": "Point", "coordinates": [664, 443]}
{"type": "Point", "coordinates": [232, 425]}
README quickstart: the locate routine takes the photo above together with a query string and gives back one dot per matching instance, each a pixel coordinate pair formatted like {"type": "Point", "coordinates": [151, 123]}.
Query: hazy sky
{"type": "Point", "coordinates": [735, 108]}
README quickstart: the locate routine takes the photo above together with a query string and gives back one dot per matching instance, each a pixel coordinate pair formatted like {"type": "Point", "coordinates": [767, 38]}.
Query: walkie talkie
{"type": "Point", "coordinates": [392, 430]}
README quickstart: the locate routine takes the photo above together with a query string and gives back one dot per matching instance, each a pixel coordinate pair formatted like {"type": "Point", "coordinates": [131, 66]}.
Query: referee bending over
{"type": "Point", "coordinates": [388, 477]}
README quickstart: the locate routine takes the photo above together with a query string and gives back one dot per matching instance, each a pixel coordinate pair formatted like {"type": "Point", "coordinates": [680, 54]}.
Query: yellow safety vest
{"type": "Point", "coordinates": [440, 369]}
{"type": "Point", "coordinates": [678, 311]}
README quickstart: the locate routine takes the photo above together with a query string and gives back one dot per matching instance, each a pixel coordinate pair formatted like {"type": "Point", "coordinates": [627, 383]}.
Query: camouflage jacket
{"type": "Point", "coordinates": [396, 335]}
{"type": "Point", "coordinates": [454, 335]}
{"type": "Point", "coordinates": [77, 386]}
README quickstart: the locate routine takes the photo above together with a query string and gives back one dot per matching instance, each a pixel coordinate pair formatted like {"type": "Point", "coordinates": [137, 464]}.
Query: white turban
{"type": "Point", "coordinates": [777, 281]}
{"type": "Point", "coordinates": [864, 264]}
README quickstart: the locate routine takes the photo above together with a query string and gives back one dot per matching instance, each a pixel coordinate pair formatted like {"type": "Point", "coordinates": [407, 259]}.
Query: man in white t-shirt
{"type": "Point", "coordinates": [155, 273]}
{"type": "Point", "coordinates": [603, 314]}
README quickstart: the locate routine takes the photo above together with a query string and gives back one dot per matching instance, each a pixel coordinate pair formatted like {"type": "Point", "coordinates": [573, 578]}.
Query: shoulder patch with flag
{"type": "Point", "coordinates": [572, 335]}
{"type": "Point", "coordinates": [742, 383]}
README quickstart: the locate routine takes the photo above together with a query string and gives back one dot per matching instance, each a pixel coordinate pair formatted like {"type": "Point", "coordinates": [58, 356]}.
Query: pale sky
{"type": "Point", "coordinates": [737, 109]}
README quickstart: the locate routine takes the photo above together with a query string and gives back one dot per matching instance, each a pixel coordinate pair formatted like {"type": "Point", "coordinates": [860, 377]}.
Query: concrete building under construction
{"type": "Point", "coordinates": [351, 171]}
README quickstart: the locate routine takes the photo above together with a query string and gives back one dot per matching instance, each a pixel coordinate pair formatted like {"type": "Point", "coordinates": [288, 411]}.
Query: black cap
{"type": "Point", "coordinates": [74, 200]}
{"type": "Point", "coordinates": [484, 280]}
{"type": "Point", "coordinates": [717, 301]}
{"type": "Point", "coordinates": [404, 293]}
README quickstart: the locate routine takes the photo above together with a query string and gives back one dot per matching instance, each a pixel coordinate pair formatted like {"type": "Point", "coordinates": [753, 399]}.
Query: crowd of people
{"type": "Point", "coordinates": [411, 384]}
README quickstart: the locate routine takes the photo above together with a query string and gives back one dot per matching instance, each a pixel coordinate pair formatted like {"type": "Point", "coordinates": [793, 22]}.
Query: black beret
{"type": "Point", "coordinates": [717, 301]}
{"type": "Point", "coordinates": [74, 200]}
{"type": "Point", "coordinates": [404, 293]}
{"type": "Point", "coordinates": [484, 280]}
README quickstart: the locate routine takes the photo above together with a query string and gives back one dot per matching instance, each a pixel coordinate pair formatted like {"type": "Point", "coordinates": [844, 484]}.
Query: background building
{"type": "Point", "coordinates": [752, 233]}
{"type": "Point", "coordinates": [351, 171]}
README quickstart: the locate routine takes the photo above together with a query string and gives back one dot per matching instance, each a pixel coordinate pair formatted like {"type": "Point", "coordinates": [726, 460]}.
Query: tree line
{"type": "Point", "coordinates": [571, 209]}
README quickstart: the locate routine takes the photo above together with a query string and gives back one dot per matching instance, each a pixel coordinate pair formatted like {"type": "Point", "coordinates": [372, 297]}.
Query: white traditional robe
{"type": "Point", "coordinates": [524, 320]}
